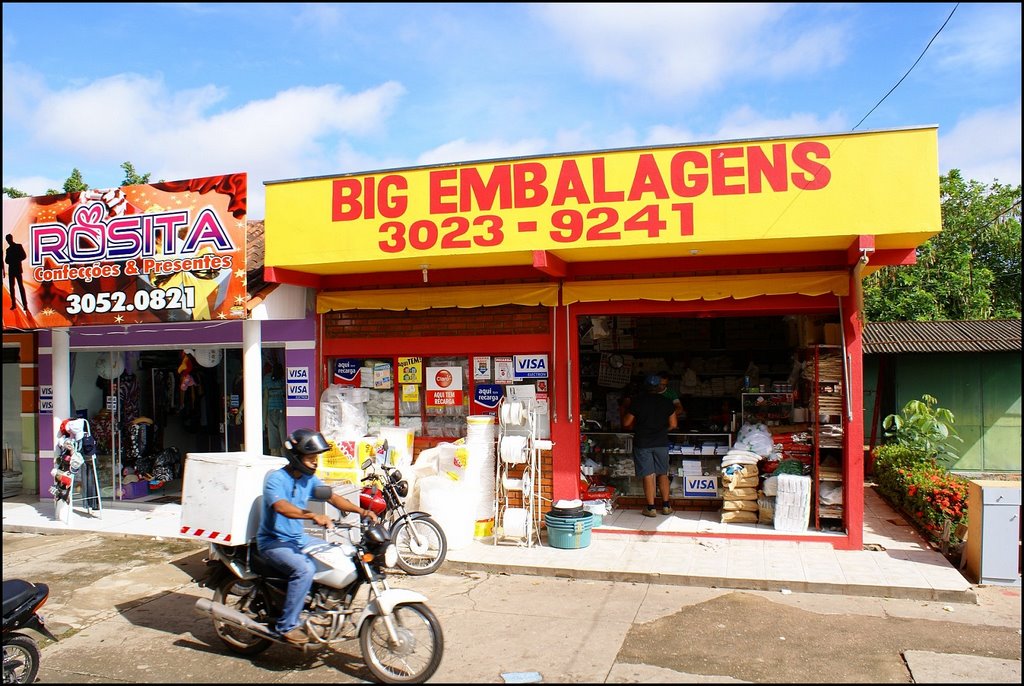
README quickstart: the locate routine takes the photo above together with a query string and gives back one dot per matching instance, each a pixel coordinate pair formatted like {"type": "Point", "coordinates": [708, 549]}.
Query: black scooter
{"type": "Point", "coordinates": [22, 601]}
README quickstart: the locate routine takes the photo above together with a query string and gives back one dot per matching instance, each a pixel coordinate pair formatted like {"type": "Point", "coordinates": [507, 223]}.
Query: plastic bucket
{"type": "Point", "coordinates": [569, 532]}
{"type": "Point", "coordinates": [484, 528]}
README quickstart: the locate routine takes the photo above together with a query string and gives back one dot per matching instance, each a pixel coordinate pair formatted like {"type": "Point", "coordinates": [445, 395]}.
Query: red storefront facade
{"type": "Point", "coordinates": [697, 256]}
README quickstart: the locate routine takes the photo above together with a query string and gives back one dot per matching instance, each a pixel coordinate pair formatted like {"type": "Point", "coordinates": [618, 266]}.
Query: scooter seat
{"type": "Point", "coordinates": [264, 567]}
{"type": "Point", "coordinates": [16, 592]}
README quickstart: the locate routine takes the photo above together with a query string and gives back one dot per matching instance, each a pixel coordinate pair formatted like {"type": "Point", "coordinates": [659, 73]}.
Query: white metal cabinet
{"type": "Point", "coordinates": [993, 532]}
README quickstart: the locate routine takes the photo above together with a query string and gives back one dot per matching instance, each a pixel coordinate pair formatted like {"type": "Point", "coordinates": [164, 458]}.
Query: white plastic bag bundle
{"type": "Point", "coordinates": [354, 420]}
{"type": "Point", "coordinates": [424, 466]}
{"type": "Point", "coordinates": [343, 414]}
{"type": "Point", "coordinates": [756, 438]}
{"type": "Point", "coordinates": [830, 494]}
{"type": "Point", "coordinates": [330, 413]}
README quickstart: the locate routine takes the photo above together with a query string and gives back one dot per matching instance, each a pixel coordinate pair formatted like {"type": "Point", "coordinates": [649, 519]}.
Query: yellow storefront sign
{"type": "Point", "coordinates": [765, 195]}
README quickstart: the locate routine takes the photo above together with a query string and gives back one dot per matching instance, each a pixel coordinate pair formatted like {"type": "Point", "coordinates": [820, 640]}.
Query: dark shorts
{"type": "Point", "coordinates": [650, 460]}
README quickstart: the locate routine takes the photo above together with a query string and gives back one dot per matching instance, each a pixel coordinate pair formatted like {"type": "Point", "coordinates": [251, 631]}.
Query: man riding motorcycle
{"type": "Point", "coordinates": [281, 536]}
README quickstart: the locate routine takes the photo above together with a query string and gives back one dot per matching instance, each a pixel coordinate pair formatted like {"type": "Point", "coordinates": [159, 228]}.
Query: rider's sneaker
{"type": "Point", "coordinates": [297, 636]}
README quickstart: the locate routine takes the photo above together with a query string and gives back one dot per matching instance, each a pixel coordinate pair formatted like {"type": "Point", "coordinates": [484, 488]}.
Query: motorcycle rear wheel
{"type": "Point", "coordinates": [21, 659]}
{"type": "Point", "coordinates": [416, 656]}
{"type": "Point", "coordinates": [245, 597]}
{"type": "Point", "coordinates": [424, 557]}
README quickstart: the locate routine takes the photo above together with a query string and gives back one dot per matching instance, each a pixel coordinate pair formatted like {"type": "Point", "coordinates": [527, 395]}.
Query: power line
{"type": "Point", "coordinates": [911, 67]}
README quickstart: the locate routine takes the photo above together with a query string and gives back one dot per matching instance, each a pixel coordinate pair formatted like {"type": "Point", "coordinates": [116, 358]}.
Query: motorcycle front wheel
{"type": "Point", "coordinates": [245, 597]}
{"type": "Point", "coordinates": [414, 657]}
{"type": "Point", "coordinates": [21, 659]}
{"type": "Point", "coordinates": [421, 545]}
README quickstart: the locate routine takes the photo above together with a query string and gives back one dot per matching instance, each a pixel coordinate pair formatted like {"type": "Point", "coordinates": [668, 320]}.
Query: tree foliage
{"type": "Point", "coordinates": [75, 183]}
{"type": "Point", "coordinates": [131, 177]}
{"type": "Point", "coordinates": [970, 270]}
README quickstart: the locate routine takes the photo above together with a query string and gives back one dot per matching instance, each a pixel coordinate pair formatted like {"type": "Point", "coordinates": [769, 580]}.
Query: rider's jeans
{"type": "Point", "coordinates": [300, 568]}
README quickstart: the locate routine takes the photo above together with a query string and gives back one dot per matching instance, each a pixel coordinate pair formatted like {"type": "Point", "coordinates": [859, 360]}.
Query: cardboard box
{"type": "Point", "coordinates": [222, 494]}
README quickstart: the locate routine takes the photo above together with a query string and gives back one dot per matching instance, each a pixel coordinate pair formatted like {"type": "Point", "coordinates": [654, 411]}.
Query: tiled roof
{"type": "Point", "coordinates": [256, 285]}
{"type": "Point", "coordinates": [989, 335]}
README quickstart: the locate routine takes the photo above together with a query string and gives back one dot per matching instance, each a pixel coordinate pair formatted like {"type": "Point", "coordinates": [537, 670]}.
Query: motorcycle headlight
{"type": "Point", "coordinates": [391, 556]}
{"type": "Point", "coordinates": [403, 488]}
{"type": "Point", "coordinates": [377, 535]}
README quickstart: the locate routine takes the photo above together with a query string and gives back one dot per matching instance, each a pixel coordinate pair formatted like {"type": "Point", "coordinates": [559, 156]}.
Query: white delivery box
{"type": "Point", "coordinates": [222, 494]}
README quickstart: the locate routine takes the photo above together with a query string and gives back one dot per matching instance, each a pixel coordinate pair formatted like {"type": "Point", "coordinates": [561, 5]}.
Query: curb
{"type": "Point", "coordinates": [967, 597]}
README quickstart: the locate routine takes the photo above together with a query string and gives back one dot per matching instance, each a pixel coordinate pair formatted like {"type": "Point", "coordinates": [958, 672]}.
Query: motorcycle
{"type": "Point", "coordinates": [22, 601]}
{"type": "Point", "coordinates": [399, 636]}
{"type": "Point", "coordinates": [420, 541]}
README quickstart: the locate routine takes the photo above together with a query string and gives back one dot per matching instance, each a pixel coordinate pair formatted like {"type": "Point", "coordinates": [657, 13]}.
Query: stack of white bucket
{"type": "Point", "coordinates": [463, 491]}
{"type": "Point", "coordinates": [481, 471]}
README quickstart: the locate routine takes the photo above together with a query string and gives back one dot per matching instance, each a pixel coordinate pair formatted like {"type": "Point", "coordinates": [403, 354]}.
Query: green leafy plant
{"type": "Point", "coordinates": [924, 490]}
{"type": "Point", "coordinates": [924, 426]}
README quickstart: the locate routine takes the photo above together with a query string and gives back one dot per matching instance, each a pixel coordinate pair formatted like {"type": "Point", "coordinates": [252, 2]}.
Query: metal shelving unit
{"type": "Point", "coordinates": [517, 481]}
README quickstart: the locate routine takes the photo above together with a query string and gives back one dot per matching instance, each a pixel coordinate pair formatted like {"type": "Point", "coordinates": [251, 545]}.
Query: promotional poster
{"type": "Point", "coordinates": [169, 251]}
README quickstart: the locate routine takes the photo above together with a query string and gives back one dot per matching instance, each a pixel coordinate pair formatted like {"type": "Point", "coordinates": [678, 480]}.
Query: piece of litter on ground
{"type": "Point", "coordinates": [782, 638]}
{"type": "Point", "coordinates": [521, 677]}
{"type": "Point", "coordinates": [947, 608]}
{"type": "Point", "coordinates": [786, 591]}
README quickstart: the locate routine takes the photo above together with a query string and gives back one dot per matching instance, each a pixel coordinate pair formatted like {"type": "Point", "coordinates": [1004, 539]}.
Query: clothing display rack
{"type": "Point", "coordinates": [517, 484]}
{"type": "Point", "coordinates": [84, 476]}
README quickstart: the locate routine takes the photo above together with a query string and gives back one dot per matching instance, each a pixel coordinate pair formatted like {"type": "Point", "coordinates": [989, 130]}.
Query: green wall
{"type": "Point", "coordinates": [982, 390]}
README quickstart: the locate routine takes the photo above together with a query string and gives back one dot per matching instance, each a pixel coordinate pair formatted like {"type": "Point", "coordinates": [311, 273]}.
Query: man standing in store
{"type": "Point", "coordinates": [672, 395]}
{"type": "Point", "coordinates": [652, 416]}
{"type": "Point", "coordinates": [273, 402]}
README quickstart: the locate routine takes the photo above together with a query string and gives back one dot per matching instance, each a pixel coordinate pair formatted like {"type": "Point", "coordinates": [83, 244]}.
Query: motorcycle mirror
{"type": "Point", "coordinates": [322, 493]}
{"type": "Point", "coordinates": [366, 463]}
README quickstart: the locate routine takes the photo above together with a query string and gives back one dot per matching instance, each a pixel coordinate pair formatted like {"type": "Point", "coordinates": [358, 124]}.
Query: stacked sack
{"type": "Point", "coordinates": [739, 481]}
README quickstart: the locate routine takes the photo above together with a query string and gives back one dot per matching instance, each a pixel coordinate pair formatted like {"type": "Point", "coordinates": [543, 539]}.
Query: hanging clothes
{"type": "Point", "coordinates": [140, 442]}
{"type": "Point", "coordinates": [101, 428]}
{"type": "Point", "coordinates": [128, 397]}
{"type": "Point", "coordinates": [76, 454]}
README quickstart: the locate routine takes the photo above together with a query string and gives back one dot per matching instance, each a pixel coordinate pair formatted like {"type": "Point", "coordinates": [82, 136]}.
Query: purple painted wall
{"type": "Point", "coordinates": [298, 337]}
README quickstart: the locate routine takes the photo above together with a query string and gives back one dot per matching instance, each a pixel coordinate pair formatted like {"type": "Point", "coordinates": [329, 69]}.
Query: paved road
{"type": "Point", "coordinates": [123, 608]}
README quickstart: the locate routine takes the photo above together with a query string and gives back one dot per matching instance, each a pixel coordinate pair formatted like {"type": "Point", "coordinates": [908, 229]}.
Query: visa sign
{"type": "Point", "coordinates": [700, 486]}
{"type": "Point", "coordinates": [530, 366]}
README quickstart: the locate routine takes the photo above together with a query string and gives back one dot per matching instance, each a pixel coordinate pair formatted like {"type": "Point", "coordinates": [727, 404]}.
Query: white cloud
{"type": "Point", "coordinates": [689, 50]}
{"type": "Point", "coordinates": [174, 135]}
{"type": "Point", "coordinates": [982, 37]}
{"type": "Point", "coordinates": [324, 18]}
{"type": "Point", "coordinates": [985, 146]}
{"type": "Point", "coordinates": [745, 122]}
{"type": "Point", "coordinates": [462, 150]}
{"type": "Point", "coordinates": [34, 185]}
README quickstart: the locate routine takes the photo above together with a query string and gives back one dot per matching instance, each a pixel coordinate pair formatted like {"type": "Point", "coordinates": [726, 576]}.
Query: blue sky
{"type": "Point", "coordinates": [285, 91]}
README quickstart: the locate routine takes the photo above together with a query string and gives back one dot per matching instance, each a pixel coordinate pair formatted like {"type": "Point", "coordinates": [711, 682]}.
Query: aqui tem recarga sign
{"type": "Point", "coordinates": [871, 183]}
{"type": "Point", "coordinates": [160, 252]}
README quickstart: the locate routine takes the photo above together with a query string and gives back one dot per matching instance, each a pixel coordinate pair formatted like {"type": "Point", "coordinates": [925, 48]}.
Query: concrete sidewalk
{"type": "Point", "coordinates": [895, 562]}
